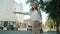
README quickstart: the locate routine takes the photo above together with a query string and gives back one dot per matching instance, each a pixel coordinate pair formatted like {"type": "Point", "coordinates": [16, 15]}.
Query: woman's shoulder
{"type": "Point", "coordinates": [31, 10]}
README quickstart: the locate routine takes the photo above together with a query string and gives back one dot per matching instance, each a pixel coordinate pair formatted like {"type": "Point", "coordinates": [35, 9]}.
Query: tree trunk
{"type": "Point", "coordinates": [57, 26]}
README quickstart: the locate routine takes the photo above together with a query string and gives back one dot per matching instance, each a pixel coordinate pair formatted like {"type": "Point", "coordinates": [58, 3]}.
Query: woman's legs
{"type": "Point", "coordinates": [35, 27]}
{"type": "Point", "coordinates": [41, 30]}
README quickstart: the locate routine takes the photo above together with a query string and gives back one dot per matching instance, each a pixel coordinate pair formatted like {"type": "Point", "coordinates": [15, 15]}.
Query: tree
{"type": "Point", "coordinates": [54, 11]}
{"type": "Point", "coordinates": [50, 23]}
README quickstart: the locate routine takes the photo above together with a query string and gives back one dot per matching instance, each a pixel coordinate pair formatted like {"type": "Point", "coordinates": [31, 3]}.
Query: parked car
{"type": "Point", "coordinates": [29, 28]}
{"type": "Point", "coordinates": [10, 27]}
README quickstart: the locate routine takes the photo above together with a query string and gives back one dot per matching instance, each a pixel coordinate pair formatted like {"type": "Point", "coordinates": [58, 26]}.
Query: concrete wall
{"type": "Point", "coordinates": [6, 10]}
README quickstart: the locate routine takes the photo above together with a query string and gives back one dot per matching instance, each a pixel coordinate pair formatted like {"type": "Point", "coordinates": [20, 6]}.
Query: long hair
{"type": "Point", "coordinates": [32, 9]}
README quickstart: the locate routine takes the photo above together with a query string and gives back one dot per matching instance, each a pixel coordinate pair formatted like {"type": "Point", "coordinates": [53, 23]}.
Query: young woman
{"type": "Point", "coordinates": [36, 19]}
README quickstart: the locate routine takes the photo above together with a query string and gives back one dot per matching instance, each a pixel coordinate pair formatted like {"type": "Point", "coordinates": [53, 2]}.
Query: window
{"type": "Point", "coordinates": [5, 23]}
{"type": "Point", "coordinates": [14, 22]}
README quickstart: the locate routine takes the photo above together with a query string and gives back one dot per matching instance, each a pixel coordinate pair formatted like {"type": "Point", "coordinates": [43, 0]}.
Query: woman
{"type": "Point", "coordinates": [36, 19]}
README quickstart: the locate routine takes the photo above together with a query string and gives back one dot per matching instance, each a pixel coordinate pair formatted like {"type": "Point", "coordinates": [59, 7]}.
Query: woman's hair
{"type": "Point", "coordinates": [32, 9]}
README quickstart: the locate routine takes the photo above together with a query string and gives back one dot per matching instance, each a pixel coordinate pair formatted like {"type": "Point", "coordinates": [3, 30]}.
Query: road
{"type": "Point", "coordinates": [20, 32]}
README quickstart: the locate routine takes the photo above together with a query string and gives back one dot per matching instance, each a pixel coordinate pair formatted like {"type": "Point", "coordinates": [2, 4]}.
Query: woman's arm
{"type": "Point", "coordinates": [40, 15]}
{"type": "Point", "coordinates": [18, 12]}
{"type": "Point", "coordinates": [24, 13]}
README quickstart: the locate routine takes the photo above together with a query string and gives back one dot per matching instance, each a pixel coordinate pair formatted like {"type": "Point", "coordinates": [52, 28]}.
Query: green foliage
{"type": "Point", "coordinates": [53, 10]}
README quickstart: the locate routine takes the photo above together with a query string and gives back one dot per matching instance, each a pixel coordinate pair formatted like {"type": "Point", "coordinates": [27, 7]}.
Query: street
{"type": "Point", "coordinates": [20, 32]}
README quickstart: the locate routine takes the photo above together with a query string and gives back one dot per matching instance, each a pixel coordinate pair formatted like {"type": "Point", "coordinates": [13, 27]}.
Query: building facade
{"type": "Point", "coordinates": [7, 15]}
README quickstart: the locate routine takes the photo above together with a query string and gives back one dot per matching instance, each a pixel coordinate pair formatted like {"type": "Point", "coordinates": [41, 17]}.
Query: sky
{"type": "Point", "coordinates": [26, 9]}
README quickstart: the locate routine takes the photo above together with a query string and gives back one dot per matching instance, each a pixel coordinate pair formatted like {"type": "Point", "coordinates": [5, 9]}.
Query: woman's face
{"type": "Point", "coordinates": [34, 5]}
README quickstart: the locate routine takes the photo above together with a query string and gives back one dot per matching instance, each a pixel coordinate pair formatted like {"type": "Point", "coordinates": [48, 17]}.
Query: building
{"type": "Point", "coordinates": [7, 15]}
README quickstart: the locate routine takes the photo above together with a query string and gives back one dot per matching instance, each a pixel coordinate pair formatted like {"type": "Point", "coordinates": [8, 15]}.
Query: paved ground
{"type": "Point", "coordinates": [20, 32]}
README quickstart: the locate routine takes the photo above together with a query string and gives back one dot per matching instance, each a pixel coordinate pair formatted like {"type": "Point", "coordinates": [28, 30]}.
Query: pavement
{"type": "Point", "coordinates": [21, 32]}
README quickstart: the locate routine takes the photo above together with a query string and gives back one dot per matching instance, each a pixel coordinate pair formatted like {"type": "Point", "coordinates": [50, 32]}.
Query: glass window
{"type": "Point", "coordinates": [5, 23]}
